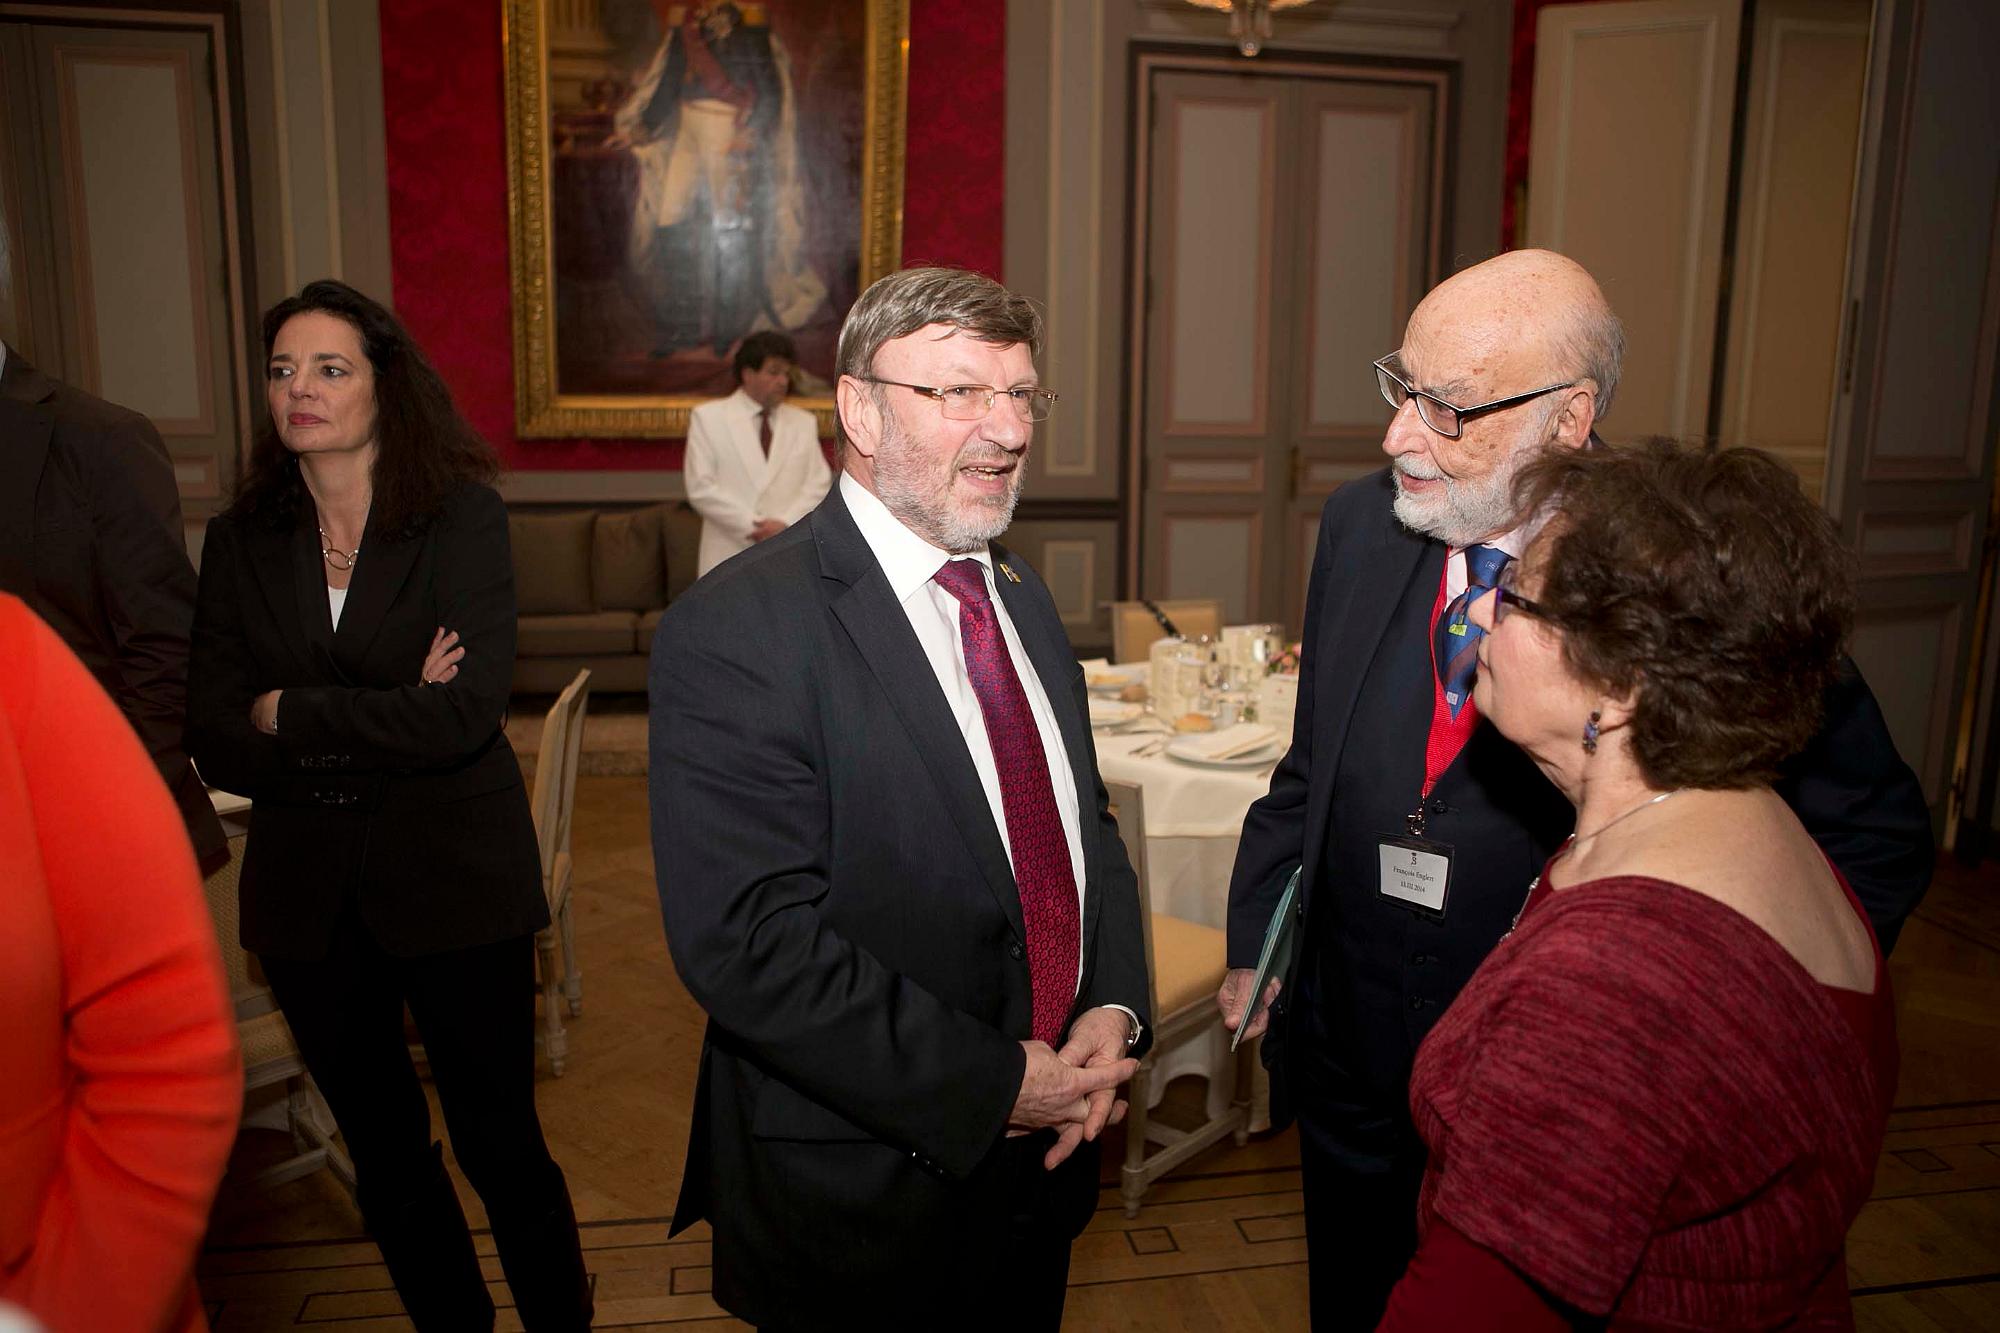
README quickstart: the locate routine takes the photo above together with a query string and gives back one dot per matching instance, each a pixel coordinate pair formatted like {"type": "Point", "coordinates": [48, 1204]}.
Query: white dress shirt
{"type": "Point", "coordinates": [910, 561]}
{"type": "Point", "coordinates": [1455, 577]}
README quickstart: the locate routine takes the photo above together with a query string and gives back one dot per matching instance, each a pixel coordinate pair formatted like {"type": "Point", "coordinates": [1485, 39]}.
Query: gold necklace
{"type": "Point", "coordinates": [347, 558]}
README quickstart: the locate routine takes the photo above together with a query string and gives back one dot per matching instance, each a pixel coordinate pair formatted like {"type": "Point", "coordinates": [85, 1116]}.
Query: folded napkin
{"type": "Point", "coordinates": [1227, 743]}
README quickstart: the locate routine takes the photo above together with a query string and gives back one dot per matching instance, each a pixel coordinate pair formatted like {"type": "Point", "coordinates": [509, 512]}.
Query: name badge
{"type": "Point", "coordinates": [1415, 872]}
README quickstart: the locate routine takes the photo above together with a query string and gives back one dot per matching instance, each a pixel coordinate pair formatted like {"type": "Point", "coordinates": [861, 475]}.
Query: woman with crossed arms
{"type": "Point", "coordinates": [353, 645]}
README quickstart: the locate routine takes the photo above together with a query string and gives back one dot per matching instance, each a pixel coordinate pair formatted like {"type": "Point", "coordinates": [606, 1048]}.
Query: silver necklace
{"type": "Point", "coordinates": [1646, 804]}
{"type": "Point", "coordinates": [346, 560]}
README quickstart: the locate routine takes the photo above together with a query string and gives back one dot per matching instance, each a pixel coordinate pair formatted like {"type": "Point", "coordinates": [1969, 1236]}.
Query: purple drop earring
{"type": "Point", "coordinates": [1590, 732]}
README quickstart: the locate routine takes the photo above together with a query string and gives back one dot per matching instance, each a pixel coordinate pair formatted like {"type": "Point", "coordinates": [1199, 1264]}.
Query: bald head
{"type": "Point", "coordinates": [1527, 315]}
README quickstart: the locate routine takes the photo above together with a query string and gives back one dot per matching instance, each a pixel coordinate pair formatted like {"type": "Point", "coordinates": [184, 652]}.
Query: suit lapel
{"type": "Point", "coordinates": [1048, 649]}
{"type": "Point", "coordinates": [744, 431]}
{"type": "Point", "coordinates": [1356, 615]}
{"type": "Point", "coordinates": [379, 574]}
{"type": "Point", "coordinates": [25, 433]}
{"type": "Point", "coordinates": [25, 429]}
{"type": "Point", "coordinates": [285, 567]}
{"type": "Point", "coordinates": [859, 596]}
{"type": "Point", "coordinates": [307, 565]}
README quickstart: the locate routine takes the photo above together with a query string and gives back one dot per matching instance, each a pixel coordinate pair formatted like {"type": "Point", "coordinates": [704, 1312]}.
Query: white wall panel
{"type": "Point", "coordinates": [127, 122]}
{"type": "Point", "coordinates": [1361, 260]}
{"type": "Point", "coordinates": [1219, 270]}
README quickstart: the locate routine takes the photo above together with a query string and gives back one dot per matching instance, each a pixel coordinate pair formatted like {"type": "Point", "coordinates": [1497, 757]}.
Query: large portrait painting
{"type": "Point", "coordinates": [681, 175]}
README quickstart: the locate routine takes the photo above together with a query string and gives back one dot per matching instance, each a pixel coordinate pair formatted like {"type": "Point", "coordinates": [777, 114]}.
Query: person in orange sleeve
{"type": "Point", "coordinates": [120, 1080]}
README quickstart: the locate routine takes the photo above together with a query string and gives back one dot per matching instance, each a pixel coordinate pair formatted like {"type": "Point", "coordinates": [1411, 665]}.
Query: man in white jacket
{"type": "Point", "coordinates": [754, 465]}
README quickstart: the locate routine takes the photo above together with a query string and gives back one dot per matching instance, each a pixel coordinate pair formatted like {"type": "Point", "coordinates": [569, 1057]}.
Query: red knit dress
{"type": "Point", "coordinates": [1643, 1105]}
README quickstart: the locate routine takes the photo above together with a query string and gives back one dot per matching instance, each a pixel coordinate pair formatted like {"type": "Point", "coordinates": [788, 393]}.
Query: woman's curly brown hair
{"type": "Point", "coordinates": [425, 450]}
{"type": "Point", "coordinates": [1707, 586]}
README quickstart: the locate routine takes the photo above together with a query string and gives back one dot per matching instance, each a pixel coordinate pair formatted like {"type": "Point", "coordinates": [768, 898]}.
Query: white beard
{"type": "Point", "coordinates": [925, 504]}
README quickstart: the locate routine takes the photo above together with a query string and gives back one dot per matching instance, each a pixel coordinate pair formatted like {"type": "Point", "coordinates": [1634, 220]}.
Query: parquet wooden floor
{"type": "Point", "coordinates": [1219, 1248]}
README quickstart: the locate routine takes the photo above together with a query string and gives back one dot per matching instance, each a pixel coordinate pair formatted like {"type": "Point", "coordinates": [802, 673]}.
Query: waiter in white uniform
{"type": "Point", "coordinates": [754, 464]}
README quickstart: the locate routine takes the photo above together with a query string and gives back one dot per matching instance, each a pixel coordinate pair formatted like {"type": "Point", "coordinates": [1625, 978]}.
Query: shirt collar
{"type": "Point", "coordinates": [908, 560]}
{"type": "Point", "coordinates": [1513, 543]}
{"type": "Point", "coordinates": [747, 405]}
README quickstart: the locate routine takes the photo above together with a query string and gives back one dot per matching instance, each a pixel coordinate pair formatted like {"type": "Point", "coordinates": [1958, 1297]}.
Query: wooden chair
{"type": "Point", "coordinates": [554, 800]}
{"type": "Point", "coordinates": [1134, 629]}
{"type": "Point", "coordinates": [1185, 964]}
{"type": "Point", "coordinates": [270, 1055]}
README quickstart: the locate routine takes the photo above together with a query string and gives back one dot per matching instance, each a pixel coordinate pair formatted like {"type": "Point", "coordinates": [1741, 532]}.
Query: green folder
{"type": "Point", "coordinates": [1275, 960]}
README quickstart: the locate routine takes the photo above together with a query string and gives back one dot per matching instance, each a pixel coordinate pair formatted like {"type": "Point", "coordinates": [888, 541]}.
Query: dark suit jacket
{"type": "Point", "coordinates": [1385, 975]}
{"type": "Point", "coordinates": [838, 898]}
{"type": "Point", "coordinates": [91, 538]}
{"type": "Point", "coordinates": [402, 800]}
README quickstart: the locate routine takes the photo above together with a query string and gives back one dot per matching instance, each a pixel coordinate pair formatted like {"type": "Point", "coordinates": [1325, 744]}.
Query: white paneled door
{"type": "Point", "coordinates": [1289, 221]}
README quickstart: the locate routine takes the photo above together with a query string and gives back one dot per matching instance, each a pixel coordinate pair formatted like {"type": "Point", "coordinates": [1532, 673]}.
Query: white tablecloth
{"type": "Point", "coordinates": [1194, 818]}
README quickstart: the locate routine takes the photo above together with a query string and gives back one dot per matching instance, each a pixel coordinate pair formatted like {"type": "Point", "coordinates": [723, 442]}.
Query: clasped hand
{"type": "Point", "coordinates": [1074, 1090]}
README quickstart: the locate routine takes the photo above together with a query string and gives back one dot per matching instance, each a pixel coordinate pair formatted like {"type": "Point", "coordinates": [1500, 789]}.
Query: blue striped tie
{"type": "Point", "coordinates": [1455, 640]}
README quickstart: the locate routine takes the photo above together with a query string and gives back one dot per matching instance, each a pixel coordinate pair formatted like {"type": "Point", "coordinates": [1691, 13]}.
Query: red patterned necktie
{"type": "Point", "coordinates": [764, 430]}
{"type": "Point", "coordinates": [1042, 871]}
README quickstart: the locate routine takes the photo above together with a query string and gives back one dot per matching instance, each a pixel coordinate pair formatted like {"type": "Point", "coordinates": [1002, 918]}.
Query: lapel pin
{"type": "Point", "coordinates": [1012, 577]}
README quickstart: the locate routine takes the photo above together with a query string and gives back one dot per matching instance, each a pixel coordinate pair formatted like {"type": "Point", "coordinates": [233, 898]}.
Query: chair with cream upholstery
{"type": "Point", "coordinates": [553, 802]}
{"type": "Point", "coordinates": [1134, 628]}
{"type": "Point", "coordinates": [1185, 964]}
{"type": "Point", "coordinates": [270, 1055]}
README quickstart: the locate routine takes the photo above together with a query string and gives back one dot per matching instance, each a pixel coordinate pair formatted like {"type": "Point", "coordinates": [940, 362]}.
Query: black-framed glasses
{"type": "Point", "coordinates": [1506, 599]}
{"type": "Point", "coordinates": [1447, 419]}
{"type": "Point", "coordinates": [971, 402]}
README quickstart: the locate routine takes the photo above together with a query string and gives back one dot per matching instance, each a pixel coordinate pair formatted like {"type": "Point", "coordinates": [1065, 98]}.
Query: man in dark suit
{"type": "Point", "coordinates": [1388, 753]}
{"type": "Point", "coordinates": [886, 863]}
{"type": "Point", "coordinates": [90, 537]}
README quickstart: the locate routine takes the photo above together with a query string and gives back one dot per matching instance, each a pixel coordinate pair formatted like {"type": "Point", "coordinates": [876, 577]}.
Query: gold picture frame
{"type": "Point", "coordinates": [570, 166]}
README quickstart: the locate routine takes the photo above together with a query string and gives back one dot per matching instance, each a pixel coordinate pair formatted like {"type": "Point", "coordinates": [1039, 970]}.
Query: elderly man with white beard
{"type": "Point", "coordinates": [887, 866]}
{"type": "Point", "coordinates": [1419, 829]}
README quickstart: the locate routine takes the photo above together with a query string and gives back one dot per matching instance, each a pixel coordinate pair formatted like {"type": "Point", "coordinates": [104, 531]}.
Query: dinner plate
{"type": "Point", "coordinates": [1266, 753]}
{"type": "Point", "coordinates": [1109, 681]}
{"type": "Point", "coordinates": [1113, 713]}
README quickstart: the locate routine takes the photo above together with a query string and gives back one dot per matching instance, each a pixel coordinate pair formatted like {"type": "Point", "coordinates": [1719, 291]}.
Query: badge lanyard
{"type": "Point", "coordinates": [1415, 871]}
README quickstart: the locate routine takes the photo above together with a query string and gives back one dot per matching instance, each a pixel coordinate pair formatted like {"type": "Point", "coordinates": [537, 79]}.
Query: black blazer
{"type": "Point", "coordinates": [838, 898]}
{"type": "Point", "coordinates": [403, 799]}
{"type": "Point", "coordinates": [1386, 974]}
{"type": "Point", "coordinates": [91, 538]}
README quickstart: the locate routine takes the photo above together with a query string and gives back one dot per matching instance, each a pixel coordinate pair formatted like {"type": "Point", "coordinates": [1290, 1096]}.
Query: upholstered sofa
{"type": "Point", "coordinates": [590, 585]}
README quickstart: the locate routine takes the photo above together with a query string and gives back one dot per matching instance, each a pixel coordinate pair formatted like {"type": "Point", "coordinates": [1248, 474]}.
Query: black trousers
{"type": "Point", "coordinates": [1362, 1165]}
{"type": "Point", "coordinates": [474, 1009]}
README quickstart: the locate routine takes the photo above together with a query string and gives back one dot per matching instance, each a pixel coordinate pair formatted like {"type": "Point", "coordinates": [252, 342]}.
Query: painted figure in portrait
{"type": "Point", "coordinates": [704, 184]}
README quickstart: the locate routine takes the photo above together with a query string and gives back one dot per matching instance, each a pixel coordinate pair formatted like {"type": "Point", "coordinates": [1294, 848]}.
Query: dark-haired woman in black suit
{"type": "Point", "coordinates": [353, 643]}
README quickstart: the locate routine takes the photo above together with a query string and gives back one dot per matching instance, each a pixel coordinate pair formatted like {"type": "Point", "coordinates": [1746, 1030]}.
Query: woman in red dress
{"type": "Point", "coordinates": [1659, 1102]}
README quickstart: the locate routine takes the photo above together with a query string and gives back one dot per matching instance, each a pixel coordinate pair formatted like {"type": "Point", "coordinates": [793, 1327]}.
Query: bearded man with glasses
{"type": "Point", "coordinates": [1418, 828]}
{"type": "Point", "coordinates": [888, 869]}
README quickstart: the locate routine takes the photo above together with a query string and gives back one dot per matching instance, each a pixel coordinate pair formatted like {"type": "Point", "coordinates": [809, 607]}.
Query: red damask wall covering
{"type": "Point", "coordinates": [443, 95]}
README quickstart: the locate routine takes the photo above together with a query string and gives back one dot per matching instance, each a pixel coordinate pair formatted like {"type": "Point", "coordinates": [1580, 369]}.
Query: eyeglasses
{"type": "Point", "coordinates": [971, 402]}
{"type": "Point", "coordinates": [1505, 599]}
{"type": "Point", "coordinates": [1447, 419]}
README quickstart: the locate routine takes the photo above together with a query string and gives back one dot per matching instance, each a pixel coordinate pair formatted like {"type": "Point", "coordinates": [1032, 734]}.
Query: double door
{"type": "Point", "coordinates": [1290, 218]}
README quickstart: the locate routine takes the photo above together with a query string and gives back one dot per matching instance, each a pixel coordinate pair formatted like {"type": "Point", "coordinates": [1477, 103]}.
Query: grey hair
{"type": "Point", "coordinates": [898, 305]}
{"type": "Point", "coordinates": [1594, 349]}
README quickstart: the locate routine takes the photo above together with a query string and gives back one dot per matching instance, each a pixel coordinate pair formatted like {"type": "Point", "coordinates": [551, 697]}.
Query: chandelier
{"type": "Point", "coordinates": [1249, 20]}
